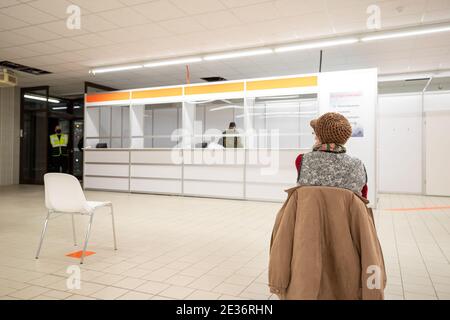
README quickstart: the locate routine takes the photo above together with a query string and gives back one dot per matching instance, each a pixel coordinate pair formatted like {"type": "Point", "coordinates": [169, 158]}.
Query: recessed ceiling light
{"type": "Point", "coordinates": [238, 54]}
{"type": "Point", "coordinates": [114, 69]}
{"type": "Point", "coordinates": [39, 98]}
{"type": "Point", "coordinates": [316, 44]}
{"type": "Point", "coordinates": [172, 62]}
{"type": "Point", "coordinates": [402, 34]}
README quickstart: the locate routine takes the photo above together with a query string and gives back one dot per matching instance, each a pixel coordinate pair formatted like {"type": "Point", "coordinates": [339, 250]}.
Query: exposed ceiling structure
{"type": "Point", "coordinates": [34, 33]}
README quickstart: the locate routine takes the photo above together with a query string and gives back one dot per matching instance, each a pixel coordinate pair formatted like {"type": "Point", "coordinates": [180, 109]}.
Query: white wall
{"type": "Point", "coordinates": [9, 135]}
{"type": "Point", "coordinates": [400, 143]}
{"type": "Point", "coordinates": [437, 135]}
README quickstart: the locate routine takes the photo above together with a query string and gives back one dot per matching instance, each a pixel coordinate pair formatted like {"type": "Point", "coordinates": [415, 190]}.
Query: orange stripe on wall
{"type": "Point", "coordinates": [215, 88]}
{"type": "Point", "coordinates": [110, 96]}
{"type": "Point", "coordinates": [282, 83]}
{"type": "Point", "coordinates": [418, 209]}
{"type": "Point", "coordinates": [157, 93]}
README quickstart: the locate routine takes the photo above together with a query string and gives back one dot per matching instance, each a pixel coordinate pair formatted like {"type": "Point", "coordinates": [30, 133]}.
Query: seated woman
{"type": "Point", "coordinates": [329, 164]}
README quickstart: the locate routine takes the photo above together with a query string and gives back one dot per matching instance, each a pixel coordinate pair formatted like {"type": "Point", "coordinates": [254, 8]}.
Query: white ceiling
{"type": "Point", "coordinates": [34, 33]}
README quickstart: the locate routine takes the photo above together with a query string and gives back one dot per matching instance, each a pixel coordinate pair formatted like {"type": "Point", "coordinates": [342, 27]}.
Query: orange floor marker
{"type": "Point", "coordinates": [418, 209]}
{"type": "Point", "coordinates": [77, 254]}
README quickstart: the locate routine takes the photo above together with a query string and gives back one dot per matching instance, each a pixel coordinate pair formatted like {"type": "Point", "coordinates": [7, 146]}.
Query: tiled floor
{"type": "Point", "coordinates": [189, 248]}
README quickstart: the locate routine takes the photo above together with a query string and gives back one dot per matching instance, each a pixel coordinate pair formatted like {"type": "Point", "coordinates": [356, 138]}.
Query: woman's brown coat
{"type": "Point", "coordinates": [324, 246]}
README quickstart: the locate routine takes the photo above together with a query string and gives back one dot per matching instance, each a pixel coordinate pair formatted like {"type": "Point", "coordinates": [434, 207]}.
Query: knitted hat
{"type": "Point", "coordinates": [332, 127]}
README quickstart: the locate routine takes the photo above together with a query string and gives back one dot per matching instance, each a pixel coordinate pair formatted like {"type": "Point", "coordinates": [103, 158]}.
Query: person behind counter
{"type": "Point", "coordinates": [329, 164]}
{"type": "Point", "coordinates": [230, 137]}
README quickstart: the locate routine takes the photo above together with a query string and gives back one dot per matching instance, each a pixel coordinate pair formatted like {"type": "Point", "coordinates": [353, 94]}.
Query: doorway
{"type": "Point", "coordinates": [41, 113]}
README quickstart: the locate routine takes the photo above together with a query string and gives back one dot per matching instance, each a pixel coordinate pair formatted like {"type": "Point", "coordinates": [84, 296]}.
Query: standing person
{"type": "Point", "coordinates": [231, 138]}
{"type": "Point", "coordinates": [59, 155]}
{"type": "Point", "coordinates": [329, 164]}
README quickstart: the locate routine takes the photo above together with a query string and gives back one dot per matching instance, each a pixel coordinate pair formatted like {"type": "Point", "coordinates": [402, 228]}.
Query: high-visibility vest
{"type": "Point", "coordinates": [59, 144]}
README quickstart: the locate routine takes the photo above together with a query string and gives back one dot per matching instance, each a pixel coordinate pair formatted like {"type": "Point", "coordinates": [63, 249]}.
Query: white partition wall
{"type": "Point", "coordinates": [399, 128]}
{"type": "Point", "coordinates": [437, 135]}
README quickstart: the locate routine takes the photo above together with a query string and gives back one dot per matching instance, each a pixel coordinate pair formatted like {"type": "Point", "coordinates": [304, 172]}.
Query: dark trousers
{"type": "Point", "coordinates": [59, 164]}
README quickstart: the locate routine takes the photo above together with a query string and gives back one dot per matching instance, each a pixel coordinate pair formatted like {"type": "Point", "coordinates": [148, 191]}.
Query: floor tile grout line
{"type": "Point", "coordinates": [421, 256]}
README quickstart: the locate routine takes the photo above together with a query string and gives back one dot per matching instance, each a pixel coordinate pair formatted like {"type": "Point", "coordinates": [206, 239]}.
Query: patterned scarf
{"type": "Point", "coordinates": [330, 147]}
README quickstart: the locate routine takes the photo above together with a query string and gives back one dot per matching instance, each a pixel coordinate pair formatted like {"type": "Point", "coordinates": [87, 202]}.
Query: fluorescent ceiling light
{"type": "Point", "coordinates": [76, 107]}
{"type": "Point", "coordinates": [402, 34]}
{"type": "Point", "coordinates": [316, 44]}
{"type": "Point", "coordinates": [53, 100]}
{"type": "Point", "coordinates": [114, 69]}
{"type": "Point", "coordinates": [226, 107]}
{"type": "Point", "coordinates": [59, 108]}
{"type": "Point", "coordinates": [238, 54]}
{"type": "Point", "coordinates": [172, 62]}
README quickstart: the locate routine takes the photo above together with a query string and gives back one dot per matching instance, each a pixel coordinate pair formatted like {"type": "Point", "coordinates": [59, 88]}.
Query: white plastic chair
{"type": "Point", "coordinates": [63, 194]}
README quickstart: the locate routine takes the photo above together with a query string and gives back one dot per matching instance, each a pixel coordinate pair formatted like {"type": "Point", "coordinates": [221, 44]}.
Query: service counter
{"type": "Point", "coordinates": [249, 174]}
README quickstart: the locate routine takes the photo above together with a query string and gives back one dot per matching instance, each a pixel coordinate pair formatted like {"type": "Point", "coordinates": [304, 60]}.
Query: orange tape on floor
{"type": "Point", "coordinates": [77, 254]}
{"type": "Point", "coordinates": [418, 209]}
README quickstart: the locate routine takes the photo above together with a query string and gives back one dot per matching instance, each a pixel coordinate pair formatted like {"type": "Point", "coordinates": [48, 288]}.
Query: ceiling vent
{"type": "Point", "coordinates": [214, 79]}
{"type": "Point", "coordinates": [7, 78]}
{"type": "Point", "coordinates": [22, 68]}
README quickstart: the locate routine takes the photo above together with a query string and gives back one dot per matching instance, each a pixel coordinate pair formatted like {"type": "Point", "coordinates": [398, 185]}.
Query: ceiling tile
{"type": "Point", "coordinates": [240, 3]}
{"type": "Point", "coordinates": [8, 23]}
{"type": "Point", "coordinates": [91, 40]}
{"type": "Point", "coordinates": [42, 48]}
{"type": "Point", "coordinates": [15, 38]}
{"type": "Point", "coordinates": [217, 20]}
{"type": "Point", "coordinates": [288, 8]}
{"type": "Point", "coordinates": [27, 13]}
{"type": "Point", "coordinates": [182, 25]}
{"type": "Point", "coordinates": [98, 5]}
{"type": "Point", "coordinates": [159, 10]}
{"type": "Point", "coordinates": [52, 7]}
{"type": "Point", "coordinates": [37, 34]}
{"type": "Point", "coordinates": [8, 3]}
{"type": "Point", "coordinates": [60, 27]}
{"type": "Point", "coordinates": [258, 12]}
{"type": "Point", "coordinates": [124, 17]}
{"type": "Point", "coordinates": [95, 23]}
{"type": "Point", "coordinates": [198, 6]}
{"type": "Point", "coordinates": [66, 44]}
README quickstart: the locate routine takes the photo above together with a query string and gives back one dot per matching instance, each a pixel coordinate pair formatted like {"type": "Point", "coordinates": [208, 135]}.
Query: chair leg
{"type": "Point", "coordinates": [43, 234]}
{"type": "Point", "coordinates": [88, 232]}
{"type": "Point", "coordinates": [113, 227]}
{"type": "Point", "coordinates": [73, 231]}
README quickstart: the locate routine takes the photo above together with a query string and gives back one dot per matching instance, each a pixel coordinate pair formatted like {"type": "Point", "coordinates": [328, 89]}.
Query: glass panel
{"type": "Point", "coordinates": [116, 122]}
{"type": "Point", "coordinates": [213, 119]}
{"type": "Point", "coordinates": [105, 122]}
{"type": "Point", "coordinates": [282, 121]}
{"type": "Point", "coordinates": [35, 142]}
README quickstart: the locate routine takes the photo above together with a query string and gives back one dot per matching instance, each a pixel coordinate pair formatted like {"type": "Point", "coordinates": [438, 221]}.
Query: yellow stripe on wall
{"type": "Point", "coordinates": [157, 93]}
{"type": "Point", "coordinates": [214, 88]}
{"type": "Point", "coordinates": [282, 83]}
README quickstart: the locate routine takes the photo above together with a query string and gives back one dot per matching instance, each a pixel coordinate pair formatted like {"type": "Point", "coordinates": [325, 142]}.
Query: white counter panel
{"type": "Point", "coordinates": [156, 171]}
{"type": "Point", "coordinates": [106, 156]}
{"type": "Point", "coordinates": [282, 175]}
{"type": "Point", "coordinates": [157, 156]}
{"type": "Point", "coordinates": [156, 186]}
{"type": "Point", "coordinates": [267, 191]}
{"type": "Point", "coordinates": [119, 184]}
{"type": "Point", "coordinates": [214, 189]}
{"type": "Point", "coordinates": [219, 173]}
{"type": "Point", "coordinates": [113, 170]}
{"type": "Point", "coordinates": [214, 156]}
